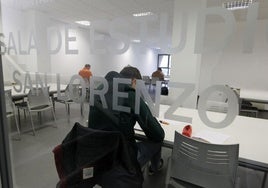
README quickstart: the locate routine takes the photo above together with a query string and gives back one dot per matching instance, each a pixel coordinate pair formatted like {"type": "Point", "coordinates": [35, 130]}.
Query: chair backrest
{"type": "Point", "coordinates": [237, 93]}
{"type": "Point", "coordinates": [154, 79]}
{"type": "Point", "coordinates": [146, 79]}
{"type": "Point", "coordinates": [73, 92]}
{"type": "Point", "coordinates": [204, 164]}
{"type": "Point", "coordinates": [38, 97]}
{"type": "Point", "coordinates": [9, 103]}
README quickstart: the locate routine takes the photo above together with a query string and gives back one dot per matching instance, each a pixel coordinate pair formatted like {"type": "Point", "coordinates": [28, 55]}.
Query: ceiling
{"type": "Point", "coordinates": [241, 13]}
{"type": "Point", "coordinates": [69, 11]}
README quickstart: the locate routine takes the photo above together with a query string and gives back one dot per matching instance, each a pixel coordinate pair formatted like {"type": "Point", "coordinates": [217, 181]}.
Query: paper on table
{"type": "Point", "coordinates": [212, 137]}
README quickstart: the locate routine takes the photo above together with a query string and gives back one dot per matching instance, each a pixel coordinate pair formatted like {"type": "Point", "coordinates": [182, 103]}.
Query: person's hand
{"type": "Point", "coordinates": [164, 122]}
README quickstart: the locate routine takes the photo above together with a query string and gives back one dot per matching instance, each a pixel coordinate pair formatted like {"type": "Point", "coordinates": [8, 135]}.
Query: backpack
{"type": "Point", "coordinates": [164, 90]}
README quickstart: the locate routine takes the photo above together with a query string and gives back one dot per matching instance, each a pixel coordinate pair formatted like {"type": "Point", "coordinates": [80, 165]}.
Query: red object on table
{"type": "Point", "coordinates": [187, 131]}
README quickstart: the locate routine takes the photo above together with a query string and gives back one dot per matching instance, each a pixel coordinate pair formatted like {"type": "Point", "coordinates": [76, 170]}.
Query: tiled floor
{"type": "Point", "coordinates": [33, 162]}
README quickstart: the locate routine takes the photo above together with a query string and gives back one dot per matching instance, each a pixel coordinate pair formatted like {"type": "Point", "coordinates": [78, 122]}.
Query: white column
{"type": "Point", "coordinates": [41, 23]}
{"type": "Point", "coordinates": [185, 66]}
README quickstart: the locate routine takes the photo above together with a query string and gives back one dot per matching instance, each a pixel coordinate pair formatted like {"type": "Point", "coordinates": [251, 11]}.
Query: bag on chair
{"type": "Point", "coordinates": [164, 90]}
{"type": "Point", "coordinates": [88, 157]}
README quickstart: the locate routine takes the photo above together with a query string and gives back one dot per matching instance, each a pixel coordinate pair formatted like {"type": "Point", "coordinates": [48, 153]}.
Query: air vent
{"type": "Point", "coordinates": [234, 5]}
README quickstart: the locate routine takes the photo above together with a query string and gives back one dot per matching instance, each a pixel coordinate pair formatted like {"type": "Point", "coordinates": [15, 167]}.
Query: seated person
{"type": "Point", "coordinates": [158, 74]}
{"type": "Point", "coordinates": [86, 73]}
{"type": "Point", "coordinates": [140, 152]}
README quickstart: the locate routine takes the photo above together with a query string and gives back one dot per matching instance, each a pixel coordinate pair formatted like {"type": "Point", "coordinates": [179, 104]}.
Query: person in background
{"type": "Point", "coordinates": [140, 152]}
{"type": "Point", "coordinates": [86, 73]}
{"type": "Point", "coordinates": [159, 74]}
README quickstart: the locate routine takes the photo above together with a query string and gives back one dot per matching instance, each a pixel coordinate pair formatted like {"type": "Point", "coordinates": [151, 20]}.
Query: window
{"type": "Point", "coordinates": [164, 62]}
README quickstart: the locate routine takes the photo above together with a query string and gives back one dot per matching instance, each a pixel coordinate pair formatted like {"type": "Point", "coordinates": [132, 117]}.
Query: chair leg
{"type": "Point", "coordinates": [54, 116]}
{"type": "Point", "coordinates": [39, 117]}
{"type": "Point", "coordinates": [24, 113]}
{"type": "Point", "coordinates": [19, 117]}
{"type": "Point", "coordinates": [17, 126]}
{"type": "Point", "coordinates": [82, 109]}
{"type": "Point", "coordinates": [53, 102]}
{"type": "Point", "coordinates": [264, 180]}
{"type": "Point", "coordinates": [168, 173]}
{"type": "Point", "coordinates": [67, 108]}
{"type": "Point", "coordinates": [32, 122]}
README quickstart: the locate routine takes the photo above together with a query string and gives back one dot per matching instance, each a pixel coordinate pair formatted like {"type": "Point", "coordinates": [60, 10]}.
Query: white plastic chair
{"type": "Point", "coordinates": [67, 99]}
{"type": "Point", "coordinates": [147, 80]}
{"type": "Point", "coordinates": [38, 100]}
{"type": "Point", "coordinates": [153, 81]}
{"type": "Point", "coordinates": [198, 164]}
{"type": "Point", "coordinates": [10, 109]}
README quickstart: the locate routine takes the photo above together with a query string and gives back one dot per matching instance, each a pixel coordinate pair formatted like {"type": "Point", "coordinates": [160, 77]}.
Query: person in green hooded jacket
{"type": "Point", "coordinates": [140, 152]}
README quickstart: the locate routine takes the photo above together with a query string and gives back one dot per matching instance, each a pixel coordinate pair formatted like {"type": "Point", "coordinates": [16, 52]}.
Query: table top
{"type": "Point", "coordinates": [254, 95]}
{"type": "Point", "coordinates": [249, 133]}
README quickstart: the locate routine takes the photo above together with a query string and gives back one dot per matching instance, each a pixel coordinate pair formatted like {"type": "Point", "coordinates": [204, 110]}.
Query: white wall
{"type": "Point", "coordinates": [233, 67]}
{"type": "Point", "coordinates": [186, 64]}
{"type": "Point", "coordinates": [15, 23]}
{"type": "Point", "coordinates": [64, 64]}
{"type": "Point", "coordinates": [67, 64]}
{"type": "Point", "coordinates": [230, 66]}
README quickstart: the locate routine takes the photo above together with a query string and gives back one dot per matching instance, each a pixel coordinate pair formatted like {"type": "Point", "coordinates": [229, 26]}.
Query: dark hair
{"type": "Point", "coordinates": [87, 65]}
{"type": "Point", "coordinates": [159, 69]}
{"type": "Point", "coordinates": [130, 72]}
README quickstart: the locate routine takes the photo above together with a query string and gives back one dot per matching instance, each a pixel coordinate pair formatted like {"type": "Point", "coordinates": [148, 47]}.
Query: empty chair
{"type": "Point", "coordinates": [245, 107]}
{"type": "Point", "coordinates": [154, 80]}
{"type": "Point", "coordinates": [10, 109]}
{"type": "Point", "coordinates": [71, 94]}
{"type": "Point", "coordinates": [198, 164]}
{"type": "Point", "coordinates": [147, 80]}
{"type": "Point", "coordinates": [38, 100]}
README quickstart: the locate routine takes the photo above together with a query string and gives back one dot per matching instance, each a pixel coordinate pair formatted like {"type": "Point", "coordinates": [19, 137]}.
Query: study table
{"type": "Point", "coordinates": [249, 133]}
{"type": "Point", "coordinates": [259, 96]}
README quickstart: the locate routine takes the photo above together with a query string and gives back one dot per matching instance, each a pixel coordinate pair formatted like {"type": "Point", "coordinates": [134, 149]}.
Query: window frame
{"type": "Point", "coordinates": [168, 63]}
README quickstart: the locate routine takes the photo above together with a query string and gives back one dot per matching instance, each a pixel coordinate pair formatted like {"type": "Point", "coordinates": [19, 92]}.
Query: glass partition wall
{"type": "Point", "coordinates": [219, 58]}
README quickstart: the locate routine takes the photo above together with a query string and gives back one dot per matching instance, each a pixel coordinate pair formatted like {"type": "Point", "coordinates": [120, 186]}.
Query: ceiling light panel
{"type": "Point", "coordinates": [83, 22]}
{"type": "Point", "coordinates": [142, 14]}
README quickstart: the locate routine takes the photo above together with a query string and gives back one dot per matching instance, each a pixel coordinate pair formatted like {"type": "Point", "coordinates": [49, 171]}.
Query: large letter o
{"type": "Point", "coordinates": [232, 110]}
{"type": "Point", "coordinates": [73, 96]}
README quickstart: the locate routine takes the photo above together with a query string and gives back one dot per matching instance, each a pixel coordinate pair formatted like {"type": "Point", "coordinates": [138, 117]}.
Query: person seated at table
{"type": "Point", "coordinates": [86, 73]}
{"type": "Point", "coordinates": [140, 152]}
{"type": "Point", "coordinates": [158, 74]}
